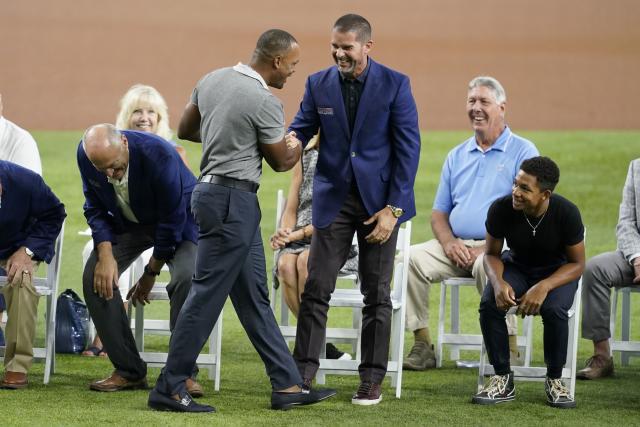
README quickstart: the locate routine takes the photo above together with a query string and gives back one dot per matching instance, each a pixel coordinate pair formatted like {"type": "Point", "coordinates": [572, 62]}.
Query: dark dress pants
{"type": "Point", "coordinates": [230, 262]}
{"type": "Point", "coordinates": [329, 251]}
{"type": "Point", "coordinates": [554, 312]}
{"type": "Point", "coordinates": [110, 317]}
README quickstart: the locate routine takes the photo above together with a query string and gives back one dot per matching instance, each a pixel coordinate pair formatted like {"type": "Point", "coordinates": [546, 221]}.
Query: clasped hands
{"type": "Point", "coordinates": [462, 255]}
{"type": "Point", "coordinates": [528, 304]}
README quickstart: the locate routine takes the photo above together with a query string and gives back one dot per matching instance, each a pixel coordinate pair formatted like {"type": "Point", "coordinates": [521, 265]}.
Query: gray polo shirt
{"type": "Point", "coordinates": [238, 112]}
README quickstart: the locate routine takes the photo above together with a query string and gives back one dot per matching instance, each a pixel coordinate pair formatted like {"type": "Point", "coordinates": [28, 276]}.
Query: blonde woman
{"type": "Point", "coordinates": [143, 108]}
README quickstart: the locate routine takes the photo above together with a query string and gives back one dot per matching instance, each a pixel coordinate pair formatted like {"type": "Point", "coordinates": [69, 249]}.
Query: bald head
{"type": "Point", "coordinates": [107, 149]}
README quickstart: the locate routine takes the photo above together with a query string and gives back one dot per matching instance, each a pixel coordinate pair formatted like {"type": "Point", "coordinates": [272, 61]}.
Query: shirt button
{"type": "Point", "coordinates": [353, 154]}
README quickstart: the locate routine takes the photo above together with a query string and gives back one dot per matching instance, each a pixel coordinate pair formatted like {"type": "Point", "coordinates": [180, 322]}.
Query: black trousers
{"type": "Point", "coordinates": [554, 313]}
{"type": "Point", "coordinates": [329, 251]}
{"type": "Point", "coordinates": [230, 262]}
{"type": "Point", "coordinates": [110, 318]}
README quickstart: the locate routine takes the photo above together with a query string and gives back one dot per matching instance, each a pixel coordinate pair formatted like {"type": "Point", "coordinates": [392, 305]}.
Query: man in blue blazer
{"type": "Point", "coordinates": [138, 193]}
{"type": "Point", "coordinates": [369, 152]}
{"type": "Point", "coordinates": [31, 217]}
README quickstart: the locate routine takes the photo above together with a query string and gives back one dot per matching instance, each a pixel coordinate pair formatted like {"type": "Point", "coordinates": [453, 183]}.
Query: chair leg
{"type": "Point", "coordinates": [481, 366]}
{"type": "Point", "coordinates": [441, 317]}
{"type": "Point", "coordinates": [612, 319]}
{"type": "Point", "coordinates": [139, 324]}
{"type": "Point", "coordinates": [626, 325]}
{"type": "Point", "coordinates": [455, 320]}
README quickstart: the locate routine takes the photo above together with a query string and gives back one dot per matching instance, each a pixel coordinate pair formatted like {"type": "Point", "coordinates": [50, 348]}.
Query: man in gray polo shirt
{"type": "Point", "coordinates": [238, 120]}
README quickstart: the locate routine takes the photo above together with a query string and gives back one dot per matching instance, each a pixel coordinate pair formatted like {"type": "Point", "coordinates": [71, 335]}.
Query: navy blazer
{"type": "Point", "coordinates": [160, 187]}
{"type": "Point", "coordinates": [383, 152]}
{"type": "Point", "coordinates": [30, 214]}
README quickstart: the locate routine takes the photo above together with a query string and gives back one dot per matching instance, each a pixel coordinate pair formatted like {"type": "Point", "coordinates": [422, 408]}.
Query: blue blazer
{"type": "Point", "coordinates": [160, 187]}
{"type": "Point", "coordinates": [383, 152]}
{"type": "Point", "coordinates": [30, 214]}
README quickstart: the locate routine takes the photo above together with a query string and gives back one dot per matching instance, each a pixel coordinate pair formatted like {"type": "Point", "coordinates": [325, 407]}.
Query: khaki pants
{"type": "Point", "coordinates": [22, 308]}
{"type": "Point", "coordinates": [428, 263]}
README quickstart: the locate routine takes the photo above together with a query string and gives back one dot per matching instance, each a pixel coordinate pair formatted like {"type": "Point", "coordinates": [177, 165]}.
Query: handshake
{"type": "Point", "coordinates": [291, 140]}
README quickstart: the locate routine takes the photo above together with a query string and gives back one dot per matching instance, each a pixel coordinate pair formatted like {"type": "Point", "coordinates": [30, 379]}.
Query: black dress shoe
{"type": "Point", "coordinates": [161, 402]}
{"type": "Point", "coordinates": [284, 401]}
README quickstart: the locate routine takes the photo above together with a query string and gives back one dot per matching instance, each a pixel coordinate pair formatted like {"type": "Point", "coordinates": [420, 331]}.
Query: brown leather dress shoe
{"type": "Point", "coordinates": [117, 383]}
{"type": "Point", "coordinates": [597, 367]}
{"type": "Point", "coordinates": [14, 380]}
{"type": "Point", "coordinates": [194, 388]}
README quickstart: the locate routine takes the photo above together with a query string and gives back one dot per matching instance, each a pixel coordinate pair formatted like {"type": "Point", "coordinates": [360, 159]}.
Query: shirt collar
{"type": "Point", "coordinates": [500, 144]}
{"type": "Point", "coordinates": [250, 72]}
{"type": "Point", "coordinates": [124, 181]}
{"type": "Point", "coordinates": [362, 77]}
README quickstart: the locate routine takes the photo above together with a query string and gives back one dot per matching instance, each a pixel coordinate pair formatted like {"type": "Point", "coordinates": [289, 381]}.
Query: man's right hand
{"type": "Point", "coordinates": [105, 276]}
{"type": "Point", "coordinates": [457, 252]}
{"type": "Point", "coordinates": [505, 296]}
{"type": "Point", "coordinates": [636, 271]}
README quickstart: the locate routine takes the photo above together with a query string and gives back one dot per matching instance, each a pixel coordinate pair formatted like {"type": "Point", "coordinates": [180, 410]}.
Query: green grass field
{"type": "Point", "coordinates": [593, 168]}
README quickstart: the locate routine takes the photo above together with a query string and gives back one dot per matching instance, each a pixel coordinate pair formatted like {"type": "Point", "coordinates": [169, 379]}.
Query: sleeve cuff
{"type": "Point", "coordinates": [633, 257]}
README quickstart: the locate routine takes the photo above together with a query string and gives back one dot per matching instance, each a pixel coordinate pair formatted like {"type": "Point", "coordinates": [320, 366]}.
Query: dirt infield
{"type": "Point", "coordinates": [565, 64]}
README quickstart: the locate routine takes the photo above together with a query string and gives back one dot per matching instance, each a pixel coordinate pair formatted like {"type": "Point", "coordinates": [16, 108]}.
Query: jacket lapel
{"type": "Point", "coordinates": [371, 88]}
{"type": "Point", "coordinates": [334, 93]}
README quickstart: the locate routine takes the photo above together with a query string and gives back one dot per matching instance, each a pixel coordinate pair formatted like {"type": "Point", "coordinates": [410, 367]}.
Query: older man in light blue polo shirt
{"type": "Point", "coordinates": [475, 173]}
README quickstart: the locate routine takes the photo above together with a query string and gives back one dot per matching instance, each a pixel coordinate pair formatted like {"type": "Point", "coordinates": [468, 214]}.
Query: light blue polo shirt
{"type": "Point", "coordinates": [472, 179]}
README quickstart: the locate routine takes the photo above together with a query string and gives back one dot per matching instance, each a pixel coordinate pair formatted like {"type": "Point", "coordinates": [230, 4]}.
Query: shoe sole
{"type": "Point", "coordinates": [566, 405]}
{"type": "Point", "coordinates": [14, 386]}
{"type": "Point", "coordinates": [144, 386]}
{"type": "Point", "coordinates": [288, 406]}
{"type": "Point", "coordinates": [366, 402]}
{"type": "Point", "coordinates": [479, 401]}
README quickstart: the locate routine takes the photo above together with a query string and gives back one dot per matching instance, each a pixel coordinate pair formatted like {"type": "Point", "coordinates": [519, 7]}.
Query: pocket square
{"type": "Point", "coordinates": [327, 111]}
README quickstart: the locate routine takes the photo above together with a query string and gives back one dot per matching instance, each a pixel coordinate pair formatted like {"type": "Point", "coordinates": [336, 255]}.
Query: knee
{"type": "Point", "coordinates": [554, 313]}
{"type": "Point", "coordinates": [286, 268]}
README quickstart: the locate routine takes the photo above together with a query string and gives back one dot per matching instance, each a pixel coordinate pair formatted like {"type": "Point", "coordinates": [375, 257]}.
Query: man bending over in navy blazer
{"type": "Point", "coordinates": [370, 146]}
{"type": "Point", "coordinates": [138, 194]}
{"type": "Point", "coordinates": [31, 217]}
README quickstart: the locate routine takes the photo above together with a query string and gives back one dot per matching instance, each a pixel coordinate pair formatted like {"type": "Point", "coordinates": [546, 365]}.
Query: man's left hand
{"type": "Point", "coordinates": [385, 223]}
{"type": "Point", "coordinates": [530, 303]}
{"type": "Point", "coordinates": [18, 264]}
{"type": "Point", "coordinates": [139, 293]}
{"type": "Point", "coordinates": [636, 272]}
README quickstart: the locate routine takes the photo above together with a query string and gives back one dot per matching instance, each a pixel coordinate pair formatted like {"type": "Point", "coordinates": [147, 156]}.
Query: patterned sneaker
{"type": "Point", "coordinates": [558, 394]}
{"type": "Point", "coordinates": [367, 394]}
{"type": "Point", "coordinates": [420, 357]}
{"type": "Point", "coordinates": [500, 389]}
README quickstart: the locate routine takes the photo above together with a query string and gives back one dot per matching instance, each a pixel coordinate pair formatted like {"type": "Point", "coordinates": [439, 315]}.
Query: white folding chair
{"type": "Point", "coordinates": [538, 373]}
{"type": "Point", "coordinates": [625, 346]}
{"type": "Point", "coordinates": [334, 335]}
{"type": "Point", "coordinates": [353, 298]}
{"type": "Point", "coordinates": [454, 338]}
{"type": "Point", "coordinates": [141, 326]}
{"type": "Point", "coordinates": [48, 287]}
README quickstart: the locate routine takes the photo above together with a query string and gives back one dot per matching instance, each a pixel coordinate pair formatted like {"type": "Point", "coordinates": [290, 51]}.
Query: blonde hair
{"type": "Point", "coordinates": [142, 94]}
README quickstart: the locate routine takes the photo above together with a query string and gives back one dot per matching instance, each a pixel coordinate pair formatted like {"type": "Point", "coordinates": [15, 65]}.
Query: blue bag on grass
{"type": "Point", "coordinates": [72, 323]}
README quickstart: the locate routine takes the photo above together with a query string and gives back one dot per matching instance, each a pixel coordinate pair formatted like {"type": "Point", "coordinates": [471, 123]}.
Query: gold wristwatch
{"type": "Point", "coordinates": [397, 212]}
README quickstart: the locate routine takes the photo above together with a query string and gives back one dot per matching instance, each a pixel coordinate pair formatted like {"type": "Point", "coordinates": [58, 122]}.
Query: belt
{"type": "Point", "coordinates": [231, 183]}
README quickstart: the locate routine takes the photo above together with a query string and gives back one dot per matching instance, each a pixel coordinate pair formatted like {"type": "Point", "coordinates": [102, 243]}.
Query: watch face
{"type": "Point", "coordinates": [29, 252]}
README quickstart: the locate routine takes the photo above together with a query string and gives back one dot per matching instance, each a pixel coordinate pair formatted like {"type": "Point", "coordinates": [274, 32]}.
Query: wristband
{"type": "Point", "coordinates": [149, 272]}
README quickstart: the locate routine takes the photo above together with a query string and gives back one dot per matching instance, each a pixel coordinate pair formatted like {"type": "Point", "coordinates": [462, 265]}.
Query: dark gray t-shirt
{"type": "Point", "coordinates": [238, 113]}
